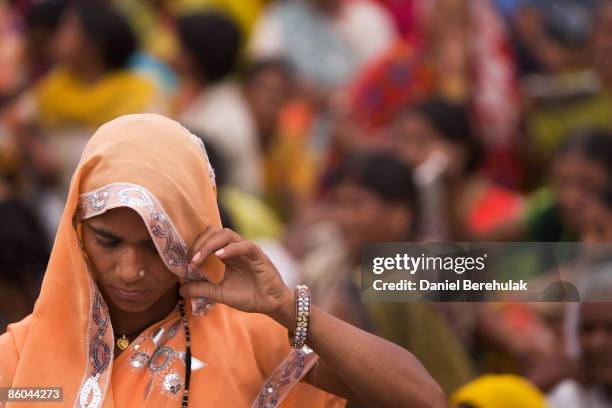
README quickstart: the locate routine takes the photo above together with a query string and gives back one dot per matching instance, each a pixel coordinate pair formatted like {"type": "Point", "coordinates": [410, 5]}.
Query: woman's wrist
{"type": "Point", "coordinates": [285, 312]}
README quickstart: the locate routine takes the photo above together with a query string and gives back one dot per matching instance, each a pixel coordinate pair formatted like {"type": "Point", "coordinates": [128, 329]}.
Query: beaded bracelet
{"type": "Point", "coordinates": [302, 309]}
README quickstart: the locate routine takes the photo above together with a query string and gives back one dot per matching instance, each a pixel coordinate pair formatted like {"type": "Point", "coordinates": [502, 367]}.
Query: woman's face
{"type": "Point", "coordinates": [574, 178]}
{"type": "Point", "coordinates": [119, 246]}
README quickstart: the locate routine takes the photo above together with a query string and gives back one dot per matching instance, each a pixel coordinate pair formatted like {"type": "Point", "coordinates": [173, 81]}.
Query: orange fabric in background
{"type": "Point", "coordinates": [51, 347]}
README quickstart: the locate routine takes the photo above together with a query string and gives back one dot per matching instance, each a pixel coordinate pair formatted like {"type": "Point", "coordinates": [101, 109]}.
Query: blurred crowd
{"type": "Point", "coordinates": [332, 123]}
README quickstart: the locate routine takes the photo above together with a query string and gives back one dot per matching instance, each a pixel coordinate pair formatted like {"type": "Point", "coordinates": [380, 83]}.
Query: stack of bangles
{"type": "Point", "coordinates": [302, 311]}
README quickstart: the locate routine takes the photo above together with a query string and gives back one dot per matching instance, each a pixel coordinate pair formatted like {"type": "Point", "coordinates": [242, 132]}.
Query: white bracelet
{"type": "Point", "coordinates": [302, 311]}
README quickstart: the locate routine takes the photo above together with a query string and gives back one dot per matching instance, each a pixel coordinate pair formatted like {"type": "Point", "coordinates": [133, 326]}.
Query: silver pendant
{"type": "Point", "coordinates": [91, 385]}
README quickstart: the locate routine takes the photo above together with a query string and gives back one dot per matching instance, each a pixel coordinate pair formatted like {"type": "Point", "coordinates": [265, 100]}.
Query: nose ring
{"type": "Point", "coordinates": [141, 273]}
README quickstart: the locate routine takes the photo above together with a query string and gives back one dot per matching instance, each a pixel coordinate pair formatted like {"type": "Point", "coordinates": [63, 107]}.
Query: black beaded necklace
{"type": "Point", "coordinates": [185, 401]}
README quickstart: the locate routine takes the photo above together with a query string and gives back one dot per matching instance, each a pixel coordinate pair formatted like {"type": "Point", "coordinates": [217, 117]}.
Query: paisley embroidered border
{"type": "Point", "coordinates": [99, 351]}
{"type": "Point", "coordinates": [295, 366]}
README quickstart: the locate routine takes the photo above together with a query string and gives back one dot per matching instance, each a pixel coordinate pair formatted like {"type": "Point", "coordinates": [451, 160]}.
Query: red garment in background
{"type": "Point", "coordinates": [402, 12]}
{"type": "Point", "coordinates": [497, 206]}
{"type": "Point", "coordinates": [495, 97]}
{"type": "Point", "coordinates": [398, 79]}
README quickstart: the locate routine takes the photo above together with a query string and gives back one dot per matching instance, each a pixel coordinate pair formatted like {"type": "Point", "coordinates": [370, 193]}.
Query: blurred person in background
{"type": "Point", "coordinates": [268, 86]}
{"type": "Point", "coordinates": [549, 369]}
{"type": "Point", "coordinates": [469, 49]}
{"type": "Point", "coordinates": [372, 199]}
{"type": "Point", "coordinates": [211, 102]}
{"type": "Point", "coordinates": [326, 41]}
{"type": "Point", "coordinates": [41, 22]}
{"type": "Point", "coordinates": [460, 51]}
{"type": "Point", "coordinates": [576, 97]}
{"type": "Point", "coordinates": [583, 164]}
{"type": "Point", "coordinates": [602, 43]}
{"type": "Point", "coordinates": [90, 83]}
{"type": "Point", "coordinates": [24, 253]}
{"type": "Point", "coordinates": [24, 249]}
{"type": "Point", "coordinates": [550, 36]}
{"type": "Point", "coordinates": [290, 175]}
{"type": "Point", "coordinates": [12, 78]}
{"type": "Point", "coordinates": [156, 22]}
{"type": "Point", "coordinates": [590, 323]}
{"type": "Point", "coordinates": [459, 202]}
{"type": "Point", "coordinates": [562, 212]}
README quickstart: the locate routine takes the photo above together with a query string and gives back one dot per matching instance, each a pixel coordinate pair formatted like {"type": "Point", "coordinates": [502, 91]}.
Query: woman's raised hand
{"type": "Point", "coordinates": [251, 283]}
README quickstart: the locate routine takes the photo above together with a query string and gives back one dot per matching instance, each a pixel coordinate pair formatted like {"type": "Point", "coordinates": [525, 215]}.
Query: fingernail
{"type": "Point", "coordinates": [220, 252]}
{"type": "Point", "coordinates": [196, 257]}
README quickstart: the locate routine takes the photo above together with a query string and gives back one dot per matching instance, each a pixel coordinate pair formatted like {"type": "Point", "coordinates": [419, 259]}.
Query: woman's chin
{"type": "Point", "coordinates": [131, 306]}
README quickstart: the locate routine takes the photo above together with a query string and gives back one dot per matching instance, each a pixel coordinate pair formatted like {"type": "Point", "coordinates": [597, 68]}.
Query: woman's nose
{"type": "Point", "coordinates": [130, 264]}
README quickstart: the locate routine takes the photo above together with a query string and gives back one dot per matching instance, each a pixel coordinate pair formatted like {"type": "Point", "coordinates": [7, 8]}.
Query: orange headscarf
{"type": "Point", "coordinates": [159, 169]}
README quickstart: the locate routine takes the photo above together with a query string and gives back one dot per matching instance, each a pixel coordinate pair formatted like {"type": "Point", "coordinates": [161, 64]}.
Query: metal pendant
{"type": "Point", "coordinates": [122, 342]}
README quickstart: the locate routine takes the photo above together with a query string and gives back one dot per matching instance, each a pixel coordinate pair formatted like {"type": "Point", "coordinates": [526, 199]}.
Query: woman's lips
{"type": "Point", "coordinates": [128, 294]}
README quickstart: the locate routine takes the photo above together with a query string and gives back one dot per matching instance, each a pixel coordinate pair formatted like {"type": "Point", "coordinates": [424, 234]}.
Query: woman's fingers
{"type": "Point", "coordinates": [207, 243]}
{"type": "Point", "coordinates": [197, 289]}
{"type": "Point", "coordinates": [241, 248]}
{"type": "Point", "coordinates": [200, 239]}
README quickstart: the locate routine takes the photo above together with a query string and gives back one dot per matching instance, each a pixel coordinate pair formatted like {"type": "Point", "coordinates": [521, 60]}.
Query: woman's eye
{"type": "Point", "coordinates": [104, 243]}
{"type": "Point", "coordinates": [151, 247]}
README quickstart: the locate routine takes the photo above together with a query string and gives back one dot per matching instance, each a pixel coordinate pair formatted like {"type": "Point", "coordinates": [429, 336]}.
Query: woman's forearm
{"type": "Point", "coordinates": [353, 363]}
{"type": "Point", "coordinates": [378, 372]}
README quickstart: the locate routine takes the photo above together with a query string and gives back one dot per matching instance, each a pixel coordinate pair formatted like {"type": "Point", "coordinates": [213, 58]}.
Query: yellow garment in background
{"type": "Point", "coordinates": [63, 100]}
{"type": "Point", "coordinates": [251, 217]}
{"type": "Point", "coordinates": [499, 391]}
{"type": "Point", "coordinates": [548, 127]}
{"type": "Point", "coordinates": [156, 32]}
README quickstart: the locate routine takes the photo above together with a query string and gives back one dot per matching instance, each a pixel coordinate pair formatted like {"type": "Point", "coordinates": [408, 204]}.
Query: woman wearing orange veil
{"type": "Point", "coordinates": [141, 233]}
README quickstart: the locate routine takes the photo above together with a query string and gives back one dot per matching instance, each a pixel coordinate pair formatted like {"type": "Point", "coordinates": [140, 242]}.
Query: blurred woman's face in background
{"type": "Point", "coordinates": [596, 223]}
{"type": "Point", "coordinates": [267, 93]}
{"type": "Point", "coordinates": [573, 178]}
{"type": "Point", "coordinates": [70, 46]}
{"type": "Point", "coordinates": [596, 341]}
{"type": "Point", "coordinates": [415, 140]}
{"type": "Point", "coordinates": [365, 217]}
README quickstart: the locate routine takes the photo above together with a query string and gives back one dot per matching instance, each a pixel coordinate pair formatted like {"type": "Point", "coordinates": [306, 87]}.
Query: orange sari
{"type": "Point", "coordinates": [160, 170]}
